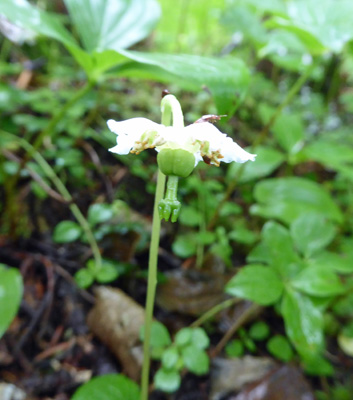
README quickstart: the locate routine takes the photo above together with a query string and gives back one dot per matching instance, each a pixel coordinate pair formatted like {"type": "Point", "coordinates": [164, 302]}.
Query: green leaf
{"type": "Point", "coordinates": [193, 73]}
{"type": "Point", "coordinates": [111, 24]}
{"type": "Point", "coordinates": [195, 360]}
{"type": "Point", "coordinates": [333, 261]}
{"type": "Point", "coordinates": [11, 290]}
{"type": "Point", "coordinates": [318, 281]}
{"type": "Point", "coordinates": [317, 365]}
{"type": "Point", "coordinates": [200, 339]}
{"type": "Point", "coordinates": [185, 245]}
{"type": "Point", "coordinates": [235, 348]}
{"type": "Point", "coordinates": [328, 29]}
{"type": "Point", "coordinates": [170, 358]}
{"type": "Point", "coordinates": [312, 232]}
{"type": "Point", "coordinates": [66, 231]}
{"type": "Point", "coordinates": [167, 380]}
{"type": "Point", "coordinates": [280, 348]}
{"type": "Point", "coordinates": [84, 278]}
{"type": "Point", "coordinates": [289, 132]}
{"type": "Point", "coordinates": [98, 213]}
{"type": "Point", "coordinates": [276, 249]}
{"type": "Point", "coordinates": [108, 387]}
{"type": "Point", "coordinates": [159, 335]}
{"type": "Point", "coordinates": [288, 198]}
{"type": "Point", "coordinates": [256, 283]}
{"type": "Point", "coordinates": [267, 161]}
{"type": "Point", "coordinates": [303, 322]}
{"type": "Point", "coordinates": [183, 337]}
{"type": "Point", "coordinates": [259, 331]}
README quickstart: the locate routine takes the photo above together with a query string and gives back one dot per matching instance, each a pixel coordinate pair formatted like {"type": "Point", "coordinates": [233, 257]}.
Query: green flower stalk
{"type": "Point", "coordinates": [179, 149]}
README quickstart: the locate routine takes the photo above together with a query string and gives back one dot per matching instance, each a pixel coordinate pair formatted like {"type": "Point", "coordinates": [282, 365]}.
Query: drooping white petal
{"type": "Point", "coordinates": [133, 126]}
{"type": "Point", "coordinates": [233, 152]}
{"type": "Point", "coordinates": [130, 132]}
{"type": "Point", "coordinates": [219, 142]}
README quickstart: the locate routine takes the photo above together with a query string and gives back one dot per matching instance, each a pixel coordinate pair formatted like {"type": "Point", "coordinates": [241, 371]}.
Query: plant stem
{"type": "Point", "coordinates": [215, 310]}
{"type": "Point", "coordinates": [171, 110]}
{"type": "Point", "coordinates": [48, 170]}
{"type": "Point", "coordinates": [172, 188]}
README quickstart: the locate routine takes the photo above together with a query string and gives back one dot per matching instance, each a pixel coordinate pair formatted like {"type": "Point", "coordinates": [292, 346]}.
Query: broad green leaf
{"type": "Point", "coordinates": [303, 322]}
{"type": "Point", "coordinates": [112, 24]}
{"type": "Point", "coordinates": [256, 283]}
{"type": "Point", "coordinates": [318, 281]}
{"type": "Point", "coordinates": [267, 161]}
{"type": "Point", "coordinates": [331, 154]}
{"type": "Point", "coordinates": [335, 262]}
{"type": "Point", "coordinates": [289, 132]}
{"type": "Point", "coordinates": [167, 380]}
{"type": "Point", "coordinates": [66, 231]}
{"type": "Point", "coordinates": [287, 198]}
{"type": "Point", "coordinates": [195, 360]}
{"type": "Point", "coordinates": [311, 233]}
{"type": "Point", "coordinates": [276, 249]}
{"type": "Point", "coordinates": [108, 387]}
{"type": "Point", "coordinates": [185, 245]}
{"type": "Point", "coordinates": [280, 348]}
{"type": "Point", "coordinates": [325, 28]}
{"type": "Point", "coordinates": [226, 78]}
{"type": "Point", "coordinates": [11, 289]}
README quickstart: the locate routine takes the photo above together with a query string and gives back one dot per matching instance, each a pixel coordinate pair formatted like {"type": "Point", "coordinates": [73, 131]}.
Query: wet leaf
{"type": "Point", "coordinates": [288, 198]}
{"type": "Point", "coordinates": [107, 387]}
{"type": "Point", "coordinates": [66, 231]}
{"type": "Point", "coordinates": [256, 283]}
{"type": "Point", "coordinates": [11, 289]}
{"type": "Point", "coordinates": [312, 233]}
{"type": "Point", "coordinates": [303, 322]}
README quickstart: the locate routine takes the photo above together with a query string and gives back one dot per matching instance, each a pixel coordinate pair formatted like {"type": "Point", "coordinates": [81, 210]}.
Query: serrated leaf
{"type": "Point", "coordinates": [335, 262]}
{"type": "Point", "coordinates": [318, 281]}
{"type": "Point", "coordinates": [276, 249]}
{"type": "Point", "coordinates": [256, 283]}
{"type": "Point", "coordinates": [288, 198]}
{"type": "Point", "coordinates": [312, 232]}
{"type": "Point", "coordinates": [11, 289]}
{"type": "Point", "coordinates": [303, 322]}
{"type": "Point", "coordinates": [107, 387]}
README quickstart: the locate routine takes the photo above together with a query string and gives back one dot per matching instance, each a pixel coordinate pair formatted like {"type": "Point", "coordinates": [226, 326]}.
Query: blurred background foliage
{"type": "Point", "coordinates": [276, 232]}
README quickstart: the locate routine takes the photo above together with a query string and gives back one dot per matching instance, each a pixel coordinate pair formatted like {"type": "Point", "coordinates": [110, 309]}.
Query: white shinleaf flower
{"type": "Point", "coordinates": [202, 139]}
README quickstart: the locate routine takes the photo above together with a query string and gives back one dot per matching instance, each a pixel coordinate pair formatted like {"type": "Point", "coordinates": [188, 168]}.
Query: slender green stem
{"type": "Point", "coordinates": [151, 285]}
{"type": "Point", "coordinates": [214, 311]}
{"type": "Point", "coordinates": [172, 188]}
{"type": "Point", "coordinates": [171, 110]}
{"type": "Point", "coordinates": [48, 170]}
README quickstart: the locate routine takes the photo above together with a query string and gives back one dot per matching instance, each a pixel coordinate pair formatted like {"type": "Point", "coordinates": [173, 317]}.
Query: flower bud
{"type": "Point", "coordinates": [177, 162]}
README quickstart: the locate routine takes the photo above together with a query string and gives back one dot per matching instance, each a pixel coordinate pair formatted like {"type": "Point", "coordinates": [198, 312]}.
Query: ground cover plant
{"type": "Point", "coordinates": [255, 259]}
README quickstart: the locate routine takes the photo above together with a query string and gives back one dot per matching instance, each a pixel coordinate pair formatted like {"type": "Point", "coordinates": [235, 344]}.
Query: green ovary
{"type": "Point", "coordinates": [177, 162]}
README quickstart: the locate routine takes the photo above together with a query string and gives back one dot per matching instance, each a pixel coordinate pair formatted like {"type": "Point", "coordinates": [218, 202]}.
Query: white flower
{"type": "Point", "coordinates": [202, 139]}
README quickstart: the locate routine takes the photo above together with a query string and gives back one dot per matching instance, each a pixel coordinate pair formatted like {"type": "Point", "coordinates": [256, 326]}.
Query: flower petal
{"type": "Point", "coordinates": [133, 126]}
{"type": "Point", "coordinates": [233, 152]}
